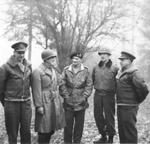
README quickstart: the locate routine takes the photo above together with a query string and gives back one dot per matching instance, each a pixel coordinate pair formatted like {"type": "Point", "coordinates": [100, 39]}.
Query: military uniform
{"type": "Point", "coordinates": [45, 82]}
{"type": "Point", "coordinates": [104, 98]}
{"type": "Point", "coordinates": [104, 82]}
{"type": "Point", "coordinates": [75, 89]}
{"type": "Point", "coordinates": [15, 80]}
{"type": "Point", "coordinates": [127, 104]}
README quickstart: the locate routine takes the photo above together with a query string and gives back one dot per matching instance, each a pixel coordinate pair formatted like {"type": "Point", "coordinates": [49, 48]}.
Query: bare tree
{"type": "Point", "coordinates": [79, 24]}
{"type": "Point", "coordinates": [144, 48]}
{"type": "Point", "coordinates": [24, 22]}
{"type": "Point", "coordinates": [146, 19]}
{"type": "Point", "coordinates": [67, 25]}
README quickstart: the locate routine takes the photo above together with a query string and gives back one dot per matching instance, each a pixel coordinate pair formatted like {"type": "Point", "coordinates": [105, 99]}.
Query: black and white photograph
{"type": "Point", "coordinates": [74, 71]}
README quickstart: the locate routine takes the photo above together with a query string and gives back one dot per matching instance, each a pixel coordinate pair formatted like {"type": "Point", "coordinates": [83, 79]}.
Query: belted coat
{"type": "Point", "coordinates": [45, 82]}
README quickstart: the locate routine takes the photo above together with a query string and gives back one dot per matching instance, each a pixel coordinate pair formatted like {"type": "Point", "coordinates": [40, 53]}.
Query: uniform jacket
{"type": "Point", "coordinates": [76, 88]}
{"type": "Point", "coordinates": [104, 77]}
{"type": "Point", "coordinates": [45, 83]}
{"type": "Point", "coordinates": [14, 82]}
{"type": "Point", "coordinates": [125, 90]}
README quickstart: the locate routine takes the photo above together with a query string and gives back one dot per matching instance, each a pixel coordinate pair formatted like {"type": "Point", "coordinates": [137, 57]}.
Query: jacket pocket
{"type": "Point", "coordinates": [79, 99]}
{"type": "Point", "coordinates": [12, 94]}
{"type": "Point", "coordinates": [68, 100]}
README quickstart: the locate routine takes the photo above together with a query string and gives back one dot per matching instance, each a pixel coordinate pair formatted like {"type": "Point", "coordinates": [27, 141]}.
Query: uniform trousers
{"type": "Point", "coordinates": [74, 126]}
{"type": "Point", "coordinates": [104, 113]}
{"type": "Point", "coordinates": [18, 117]}
{"type": "Point", "coordinates": [127, 124]}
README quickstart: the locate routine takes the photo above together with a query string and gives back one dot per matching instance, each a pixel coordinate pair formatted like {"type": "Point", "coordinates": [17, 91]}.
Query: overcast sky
{"type": "Point", "coordinates": [5, 45]}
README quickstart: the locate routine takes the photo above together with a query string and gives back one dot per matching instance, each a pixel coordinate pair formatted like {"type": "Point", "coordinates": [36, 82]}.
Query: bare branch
{"type": "Point", "coordinates": [51, 26]}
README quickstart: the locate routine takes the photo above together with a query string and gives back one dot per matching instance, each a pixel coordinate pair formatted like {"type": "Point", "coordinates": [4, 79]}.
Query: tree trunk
{"type": "Point", "coordinates": [63, 59]}
{"type": "Point", "coordinates": [30, 32]}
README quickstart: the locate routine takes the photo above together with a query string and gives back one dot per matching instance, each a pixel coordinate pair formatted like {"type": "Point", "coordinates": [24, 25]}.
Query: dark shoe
{"type": "Point", "coordinates": [110, 139]}
{"type": "Point", "coordinates": [103, 139]}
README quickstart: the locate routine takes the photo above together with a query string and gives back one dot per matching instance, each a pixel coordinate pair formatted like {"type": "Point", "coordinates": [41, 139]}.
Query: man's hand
{"type": "Point", "coordinates": [40, 110]}
{"type": "Point", "coordinates": [2, 102]}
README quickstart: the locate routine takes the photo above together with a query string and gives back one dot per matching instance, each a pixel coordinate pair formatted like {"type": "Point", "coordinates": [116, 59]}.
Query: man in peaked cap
{"type": "Point", "coordinates": [15, 78]}
{"type": "Point", "coordinates": [129, 84]}
{"type": "Point", "coordinates": [19, 45]}
{"type": "Point", "coordinates": [127, 55]}
{"type": "Point", "coordinates": [19, 50]}
{"type": "Point", "coordinates": [104, 81]}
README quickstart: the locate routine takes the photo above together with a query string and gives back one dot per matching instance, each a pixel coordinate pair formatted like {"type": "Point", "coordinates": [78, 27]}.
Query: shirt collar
{"type": "Point", "coordinates": [81, 68]}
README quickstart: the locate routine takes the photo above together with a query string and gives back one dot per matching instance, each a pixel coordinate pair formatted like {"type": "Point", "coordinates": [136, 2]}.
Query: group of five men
{"type": "Point", "coordinates": [74, 85]}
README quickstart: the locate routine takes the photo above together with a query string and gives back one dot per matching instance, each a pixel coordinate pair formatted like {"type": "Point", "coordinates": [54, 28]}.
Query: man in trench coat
{"type": "Point", "coordinates": [49, 115]}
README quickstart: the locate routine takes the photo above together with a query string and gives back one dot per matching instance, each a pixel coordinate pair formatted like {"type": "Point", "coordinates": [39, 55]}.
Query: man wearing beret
{"type": "Point", "coordinates": [104, 80]}
{"type": "Point", "coordinates": [75, 89]}
{"type": "Point", "coordinates": [15, 76]}
{"type": "Point", "coordinates": [129, 86]}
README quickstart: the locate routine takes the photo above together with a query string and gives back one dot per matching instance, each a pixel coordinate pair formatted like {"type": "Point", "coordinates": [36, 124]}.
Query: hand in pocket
{"type": "Point", "coordinates": [40, 110]}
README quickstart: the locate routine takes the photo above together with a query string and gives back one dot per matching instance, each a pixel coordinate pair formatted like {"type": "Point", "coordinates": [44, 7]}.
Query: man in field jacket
{"type": "Point", "coordinates": [129, 84]}
{"type": "Point", "coordinates": [15, 78]}
{"type": "Point", "coordinates": [104, 80]}
{"type": "Point", "coordinates": [75, 89]}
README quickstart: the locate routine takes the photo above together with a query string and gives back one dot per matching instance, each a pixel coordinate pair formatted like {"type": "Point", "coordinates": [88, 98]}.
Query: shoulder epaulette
{"type": "Point", "coordinates": [86, 67]}
{"type": "Point", "coordinates": [66, 67]}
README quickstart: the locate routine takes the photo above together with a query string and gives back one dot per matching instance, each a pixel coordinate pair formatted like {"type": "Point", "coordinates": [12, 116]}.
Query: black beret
{"type": "Point", "coordinates": [127, 55]}
{"type": "Point", "coordinates": [76, 54]}
{"type": "Point", "coordinates": [19, 46]}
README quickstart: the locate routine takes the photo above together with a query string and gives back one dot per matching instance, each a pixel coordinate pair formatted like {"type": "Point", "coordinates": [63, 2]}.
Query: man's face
{"type": "Point", "coordinates": [52, 61]}
{"type": "Point", "coordinates": [124, 62]}
{"type": "Point", "coordinates": [76, 61]}
{"type": "Point", "coordinates": [19, 55]}
{"type": "Point", "coordinates": [104, 57]}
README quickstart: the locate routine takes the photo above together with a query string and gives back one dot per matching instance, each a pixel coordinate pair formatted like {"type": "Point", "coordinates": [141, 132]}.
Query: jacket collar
{"type": "Point", "coordinates": [13, 62]}
{"type": "Point", "coordinates": [129, 70]}
{"type": "Point", "coordinates": [46, 69]}
{"type": "Point", "coordinates": [81, 68]}
{"type": "Point", "coordinates": [108, 64]}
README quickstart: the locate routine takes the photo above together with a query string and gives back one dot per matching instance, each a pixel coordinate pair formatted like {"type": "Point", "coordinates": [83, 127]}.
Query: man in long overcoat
{"type": "Point", "coordinates": [45, 82]}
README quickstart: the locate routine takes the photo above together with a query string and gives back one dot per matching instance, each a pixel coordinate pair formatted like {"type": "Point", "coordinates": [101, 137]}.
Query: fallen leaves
{"type": "Point", "coordinates": [90, 132]}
